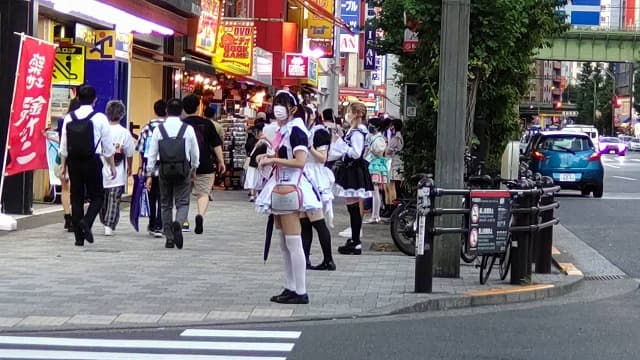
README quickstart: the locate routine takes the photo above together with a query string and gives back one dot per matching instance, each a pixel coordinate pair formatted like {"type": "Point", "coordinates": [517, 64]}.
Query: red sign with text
{"type": "Point", "coordinates": [296, 66]}
{"type": "Point", "coordinates": [30, 106]}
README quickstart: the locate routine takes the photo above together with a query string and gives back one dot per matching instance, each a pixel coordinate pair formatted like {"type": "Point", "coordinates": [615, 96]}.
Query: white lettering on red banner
{"type": "Point", "coordinates": [30, 106]}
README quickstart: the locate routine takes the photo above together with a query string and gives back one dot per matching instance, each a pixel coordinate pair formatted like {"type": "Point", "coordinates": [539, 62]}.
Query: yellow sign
{"type": "Point", "coordinates": [68, 68]}
{"type": "Point", "coordinates": [317, 27]}
{"type": "Point", "coordinates": [104, 46]}
{"type": "Point", "coordinates": [234, 47]}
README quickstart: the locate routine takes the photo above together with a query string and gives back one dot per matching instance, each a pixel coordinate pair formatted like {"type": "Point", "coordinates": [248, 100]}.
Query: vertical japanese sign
{"type": "Point", "coordinates": [350, 14]}
{"type": "Point", "coordinates": [410, 41]}
{"type": "Point", "coordinates": [234, 47]}
{"type": "Point", "coordinates": [26, 144]}
{"type": "Point", "coordinates": [369, 54]}
{"type": "Point", "coordinates": [208, 26]}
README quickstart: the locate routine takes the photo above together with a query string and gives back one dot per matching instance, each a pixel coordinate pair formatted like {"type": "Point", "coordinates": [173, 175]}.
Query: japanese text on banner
{"type": "Point", "coordinates": [27, 144]}
{"type": "Point", "coordinates": [234, 47]}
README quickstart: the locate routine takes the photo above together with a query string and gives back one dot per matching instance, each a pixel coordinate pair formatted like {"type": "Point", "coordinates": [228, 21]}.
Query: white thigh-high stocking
{"type": "Point", "coordinates": [288, 270]}
{"type": "Point", "coordinates": [375, 207]}
{"type": "Point", "coordinates": [298, 263]}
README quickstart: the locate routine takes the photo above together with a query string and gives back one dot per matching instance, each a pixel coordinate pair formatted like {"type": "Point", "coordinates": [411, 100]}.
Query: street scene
{"type": "Point", "coordinates": [322, 179]}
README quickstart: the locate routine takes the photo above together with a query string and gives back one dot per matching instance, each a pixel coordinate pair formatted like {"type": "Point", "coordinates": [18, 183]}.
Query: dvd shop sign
{"type": "Point", "coordinates": [296, 66]}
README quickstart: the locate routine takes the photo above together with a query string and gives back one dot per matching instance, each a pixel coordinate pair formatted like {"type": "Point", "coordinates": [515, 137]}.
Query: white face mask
{"type": "Point", "coordinates": [280, 112]}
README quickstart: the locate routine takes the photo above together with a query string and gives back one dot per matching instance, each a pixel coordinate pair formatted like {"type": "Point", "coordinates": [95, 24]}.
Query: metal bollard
{"type": "Point", "coordinates": [520, 239]}
{"type": "Point", "coordinates": [545, 238]}
{"type": "Point", "coordinates": [424, 240]}
{"type": "Point", "coordinates": [532, 236]}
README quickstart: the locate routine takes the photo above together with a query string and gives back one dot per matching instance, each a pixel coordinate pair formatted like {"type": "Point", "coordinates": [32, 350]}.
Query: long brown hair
{"type": "Point", "coordinates": [360, 111]}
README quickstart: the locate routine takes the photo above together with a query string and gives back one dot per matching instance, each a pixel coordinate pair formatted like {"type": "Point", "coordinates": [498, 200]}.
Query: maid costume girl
{"type": "Point", "coordinates": [352, 175]}
{"type": "Point", "coordinates": [321, 177]}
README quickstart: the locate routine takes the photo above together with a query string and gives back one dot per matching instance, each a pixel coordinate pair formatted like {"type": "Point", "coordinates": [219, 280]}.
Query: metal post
{"type": "Point", "coordinates": [594, 101]}
{"type": "Point", "coordinates": [424, 240]}
{"type": "Point", "coordinates": [452, 115]}
{"type": "Point", "coordinates": [520, 240]}
{"type": "Point", "coordinates": [545, 238]}
{"type": "Point", "coordinates": [334, 68]}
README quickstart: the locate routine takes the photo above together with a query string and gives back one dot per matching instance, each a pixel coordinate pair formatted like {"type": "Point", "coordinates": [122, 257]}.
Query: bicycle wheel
{"type": "Point", "coordinates": [505, 260]}
{"type": "Point", "coordinates": [485, 267]}
{"type": "Point", "coordinates": [402, 228]}
{"type": "Point", "coordinates": [465, 255]}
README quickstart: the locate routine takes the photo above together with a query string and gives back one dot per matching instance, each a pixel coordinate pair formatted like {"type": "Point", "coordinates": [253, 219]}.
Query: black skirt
{"type": "Point", "coordinates": [353, 175]}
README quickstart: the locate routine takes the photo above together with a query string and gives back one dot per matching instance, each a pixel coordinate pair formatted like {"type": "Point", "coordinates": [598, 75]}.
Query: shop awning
{"type": "Point", "coordinates": [317, 10]}
{"type": "Point", "coordinates": [193, 64]}
{"type": "Point", "coordinates": [363, 94]}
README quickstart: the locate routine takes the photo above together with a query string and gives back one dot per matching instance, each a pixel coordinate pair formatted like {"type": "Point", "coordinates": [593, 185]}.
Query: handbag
{"type": "Point", "coordinates": [286, 198]}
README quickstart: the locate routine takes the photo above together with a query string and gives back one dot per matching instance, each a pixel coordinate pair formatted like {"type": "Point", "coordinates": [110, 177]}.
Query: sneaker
{"type": "Point", "coordinates": [371, 220]}
{"type": "Point", "coordinates": [177, 234]}
{"type": "Point", "coordinates": [185, 226]}
{"type": "Point", "coordinates": [350, 248]}
{"type": "Point", "coordinates": [108, 231]}
{"type": "Point", "coordinates": [198, 229]}
{"type": "Point", "coordinates": [346, 233]}
{"type": "Point", "coordinates": [157, 233]}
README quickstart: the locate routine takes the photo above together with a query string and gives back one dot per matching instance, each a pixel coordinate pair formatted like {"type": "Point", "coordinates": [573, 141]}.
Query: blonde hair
{"type": "Point", "coordinates": [359, 110]}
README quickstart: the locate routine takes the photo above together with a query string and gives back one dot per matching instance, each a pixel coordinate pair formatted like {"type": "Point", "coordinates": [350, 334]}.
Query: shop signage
{"type": "Point", "coordinates": [296, 66]}
{"type": "Point", "coordinates": [378, 73]}
{"type": "Point", "coordinates": [262, 66]}
{"type": "Point", "coordinates": [349, 43]}
{"type": "Point", "coordinates": [350, 14]}
{"type": "Point", "coordinates": [26, 148]}
{"type": "Point", "coordinates": [104, 46]}
{"type": "Point", "coordinates": [410, 42]}
{"type": "Point", "coordinates": [208, 26]}
{"type": "Point", "coordinates": [318, 27]}
{"type": "Point", "coordinates": [69, 66]}
{"type": "Point", "coordinates": [84, 35]}
{"type": "Point", "coordinates": [312, 78]}
{"type": "Point", "coordinates": [489, 221]}
{"type": "Point", "coordinates": [369, 53]}
{"type": "Point", "coordinates": [234, 47]}
{"type": "Point", "coordinates": [326, 46]}
{"type": "Point", "coordinates": [124, 46]}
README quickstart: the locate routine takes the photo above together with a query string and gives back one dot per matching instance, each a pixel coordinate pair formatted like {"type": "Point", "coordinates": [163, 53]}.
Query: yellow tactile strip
{"type": "Point", "coordinates": [570, 269]}
{"type": "Point", "coordinates": [502, 291]}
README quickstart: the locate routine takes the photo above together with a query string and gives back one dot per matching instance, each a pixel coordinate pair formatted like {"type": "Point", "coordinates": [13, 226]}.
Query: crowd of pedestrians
{"type": "Point", "coordinates": [298, 161]}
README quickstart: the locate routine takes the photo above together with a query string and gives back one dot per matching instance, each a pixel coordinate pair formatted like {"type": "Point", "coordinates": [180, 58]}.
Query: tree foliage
{"type": "Point", "coordinates": [593, 74]}
{"type": "Point", "coordinates": [504, 37]}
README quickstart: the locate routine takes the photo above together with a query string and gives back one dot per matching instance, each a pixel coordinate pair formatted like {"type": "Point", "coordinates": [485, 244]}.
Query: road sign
{"type": "Point", "coordinates": [68, 68]}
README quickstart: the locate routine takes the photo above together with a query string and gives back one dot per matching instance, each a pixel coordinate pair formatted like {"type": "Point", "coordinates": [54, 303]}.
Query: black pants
{"type": "Point", "coordinates": [86, 182]}
{"type": "Point", "coordinates": [155, 215]}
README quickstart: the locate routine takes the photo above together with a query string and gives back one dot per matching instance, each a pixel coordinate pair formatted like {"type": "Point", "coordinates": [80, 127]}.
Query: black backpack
{"type": "Point", "coordinates": [173, 158]}
{"type": "Point", "coordinates": [80, 145]}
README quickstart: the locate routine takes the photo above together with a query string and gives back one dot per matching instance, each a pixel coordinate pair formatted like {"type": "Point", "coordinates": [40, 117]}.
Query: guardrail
{"type": "Point", "coordinates": [518, 221]}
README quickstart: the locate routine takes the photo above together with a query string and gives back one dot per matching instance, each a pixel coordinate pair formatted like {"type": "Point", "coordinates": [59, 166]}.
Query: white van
{"type": "Point", "coordinates": [587, 129]}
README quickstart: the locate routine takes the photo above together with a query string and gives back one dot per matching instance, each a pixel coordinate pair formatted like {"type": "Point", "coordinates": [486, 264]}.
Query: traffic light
{"type": "Point", "coordinates": [557, 105]}
{"type": "Point", "coordinates": [617, 102]}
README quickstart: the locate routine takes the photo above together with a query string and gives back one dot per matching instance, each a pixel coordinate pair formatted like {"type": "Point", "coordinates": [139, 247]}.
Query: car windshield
{"type": "Point", "coordinates": [568, 143]}
{"type": "Point", "coordinates": [610, 140]}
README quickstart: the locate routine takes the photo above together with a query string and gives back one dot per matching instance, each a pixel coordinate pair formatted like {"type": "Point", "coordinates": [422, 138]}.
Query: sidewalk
{"type": "Point", "coordinates": [130, 279]}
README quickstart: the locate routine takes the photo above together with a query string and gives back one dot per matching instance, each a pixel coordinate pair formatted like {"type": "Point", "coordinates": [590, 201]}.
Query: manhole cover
{"type": "Point", "coordinates": [604, 277]}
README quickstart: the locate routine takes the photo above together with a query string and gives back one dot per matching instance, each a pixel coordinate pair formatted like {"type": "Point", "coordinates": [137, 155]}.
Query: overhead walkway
{"type": "Point", "coordinates": [594, 45]}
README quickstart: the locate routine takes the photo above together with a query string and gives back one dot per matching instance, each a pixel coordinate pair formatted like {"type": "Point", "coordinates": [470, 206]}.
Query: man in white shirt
{"type": "Point", "coordinates": [85, 137]}
{"type": "Point", "coordinates": [174, 190]}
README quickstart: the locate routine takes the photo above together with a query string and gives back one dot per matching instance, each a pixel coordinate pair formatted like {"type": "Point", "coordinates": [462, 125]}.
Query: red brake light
{"type": "Point", "coordinates": [538, 155]}
{"type": "Point", "coordinates": [595, 156]}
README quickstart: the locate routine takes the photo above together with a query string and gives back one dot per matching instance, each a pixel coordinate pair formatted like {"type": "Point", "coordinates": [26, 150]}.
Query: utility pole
{"type": "Point", "coordinates": [452, 113]}
{"type": "Point", "coordinates": [334, 68]}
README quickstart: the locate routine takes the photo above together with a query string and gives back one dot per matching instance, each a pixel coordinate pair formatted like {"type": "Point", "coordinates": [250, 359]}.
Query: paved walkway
{"type": "Point", "coordinates": [130, 279]}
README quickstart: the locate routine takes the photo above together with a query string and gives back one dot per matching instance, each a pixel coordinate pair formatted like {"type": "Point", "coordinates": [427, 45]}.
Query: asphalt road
{"type": "Point", "coordinates": [610, 225]}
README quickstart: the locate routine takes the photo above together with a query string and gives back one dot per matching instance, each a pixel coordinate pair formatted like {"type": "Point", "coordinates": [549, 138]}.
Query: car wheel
{"type": "Point", "coordinates": [585, 191]}
{"type": "Point", "coordinates": [598, 191]}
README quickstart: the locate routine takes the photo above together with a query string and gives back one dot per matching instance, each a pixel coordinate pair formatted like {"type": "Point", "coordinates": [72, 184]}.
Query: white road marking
{"type": "Point", "coordinates": [242, 334]}
{"type": "Point", "coordinates": [86, 355]}
{"type": "Point", "coordinates": [612, 166]}
{"type": "Point", "coordinates": [624, 178]}
{"type": "Point", "coordinates": [144, 344]}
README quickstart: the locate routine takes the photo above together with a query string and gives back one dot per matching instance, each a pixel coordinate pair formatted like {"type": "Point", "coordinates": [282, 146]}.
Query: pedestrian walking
{"type": "Point", "coordinates": [254, 179]}
{"type": "Point", "coordinates": [353, 181]}
{"type": "Point", "coordinates": [322, 180]}
{"type": "Point", "coordinates": [174, 147]}
{"type": "Point", "coordinates": [155, 227]}
{"type": "Point", "coordinates": [85, 137]}
{"type": "Point", "coordinates": [123, 159]}
{"type": "Point", "coordinates": [210, 148]}
{"type": "Point", "coordinates": [288, 194]}
{"type": "Point", "coordinates": [210, 113]}
{"type": "Point", "coordinates": [396, 170]}
{"type": "Point", "coordinates": [376, 147]}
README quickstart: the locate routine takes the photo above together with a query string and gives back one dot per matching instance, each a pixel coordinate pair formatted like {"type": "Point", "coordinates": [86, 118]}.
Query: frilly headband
{"type": "Point", "coordinates": [295, 101]}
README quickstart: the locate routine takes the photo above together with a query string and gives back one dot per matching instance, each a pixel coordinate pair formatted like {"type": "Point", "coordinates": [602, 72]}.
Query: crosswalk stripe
{"type": "Point", "coordinates": [86, 355]}
{"type": "Point", "coordinates": [241, 334]}
{"type": "Point", "coordinates": [145, 344]}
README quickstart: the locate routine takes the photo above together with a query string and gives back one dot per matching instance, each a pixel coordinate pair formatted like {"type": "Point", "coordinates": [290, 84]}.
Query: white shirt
{"type": "Point", "coordinates": [122, 141]}
{"type": "Point", "coordinates": [172, 126]}
{"type": "Point", "coordinates": [353, 149]}
{"type": "Point", "coordinates": [101, 132]}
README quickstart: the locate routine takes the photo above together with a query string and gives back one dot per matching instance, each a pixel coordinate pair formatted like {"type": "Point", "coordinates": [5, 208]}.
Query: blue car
{"type": "Point", "coordinates": [569, 158]}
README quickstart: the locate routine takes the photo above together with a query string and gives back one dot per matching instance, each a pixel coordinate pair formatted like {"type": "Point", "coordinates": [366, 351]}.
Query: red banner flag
{"type": "Point", "coordinates": [27, 148]}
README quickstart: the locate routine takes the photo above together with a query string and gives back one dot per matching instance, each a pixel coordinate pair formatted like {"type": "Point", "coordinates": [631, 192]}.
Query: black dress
{"type": "Point", "coordinates": [352, 172]}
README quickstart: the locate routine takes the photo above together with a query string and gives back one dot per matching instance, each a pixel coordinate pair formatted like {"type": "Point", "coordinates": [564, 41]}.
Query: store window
{"type": "Point", "coordinates": [238, 8]}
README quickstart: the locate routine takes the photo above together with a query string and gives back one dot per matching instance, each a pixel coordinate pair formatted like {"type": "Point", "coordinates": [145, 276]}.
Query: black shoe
{"type": "Point", "coordinates": [325, 265]}
{"type": "Point", "coordinates": [67, 221]}
{"type": "Point", "coordinates": [286, 293]}
{"type": "Point", "coordinates": [350, 248]}
{"type": "Point", "coordinates": [169, 244]}
{"type": "Point", "coordinates": [198, 229]}
{"type": "Point", "coordinates": [86, 231]}
{"type": "Point", "coordinates": [79, 243]}
{"type": "Point", "coordinates": [177, 234]}
{"type": "Point", "coordinates": [294, 299]}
